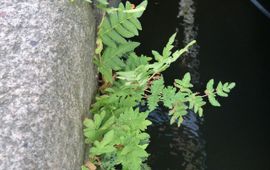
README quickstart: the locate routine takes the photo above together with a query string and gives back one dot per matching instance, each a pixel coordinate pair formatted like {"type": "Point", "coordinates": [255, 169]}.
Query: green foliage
{"type": "Point", "coordinates": [117, 130]}
{"type": "Point", "coordinates": [184, 85]}
{"type": "Point", "coordinates": [168, 57]}
{"type": "Point", "coordinates": [112, 59]}
{"type": "Point", "coordinates": [133, 61]}
{"type": "Point", "coordinates": [97, 127]}
{"type": "Point", "coordinates": [196, 103]}
{"type": "Point", "coordinates": [120, 24]}
{"type": "Point", "coordinates": [105, 145]}
{"type": "Point", "coordinates": [221, 90]}
{"type": "Point", "coordinates": [84, 168]}
{"type": "Point", "coordinates": [155, 96]}
{"type": "Point", "coordinates": [125, 138]}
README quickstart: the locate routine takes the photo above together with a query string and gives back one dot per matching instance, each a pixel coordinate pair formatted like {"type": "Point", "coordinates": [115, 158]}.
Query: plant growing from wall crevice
{"type": "Point", "coordinates": [116, 132]}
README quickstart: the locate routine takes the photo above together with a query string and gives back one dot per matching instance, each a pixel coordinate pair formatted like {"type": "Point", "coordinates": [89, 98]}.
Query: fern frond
{"type": "Point", "coordinates": [111, 59]}
{"type": "Point", "coordinates": [169, 46]}
{"type": "Point", "coordinates": [97, 127]}
{"type": "Point", "coordinates": [177, 113]}
{"type": "Point", "coordinates": [156, 92]}
{"type": "Point", "coordinates": [221, 90]}
{"type": "Point", "coordinates": [121, 23]}
{"type": "Point", "coordinates": [138, 76]}
{"type": "Point", "coordinates": [184, 85]}
{"type": "Point", "coordinates": [168, 94]}
{"type": "Point", "coordinates": [167, 57]}
{"type": "Point", "coordinates": [134, 61]}
{"type": "Point", "coordinates": [196, 103]}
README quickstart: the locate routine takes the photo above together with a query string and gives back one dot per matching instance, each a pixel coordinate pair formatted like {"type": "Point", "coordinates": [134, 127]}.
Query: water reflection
{"type": "Point", "coordinates": [183, 148]}
{"type": "Point", "coordinates": [174, 148]}
{"type": "Point", "coordinates": [186, 21]}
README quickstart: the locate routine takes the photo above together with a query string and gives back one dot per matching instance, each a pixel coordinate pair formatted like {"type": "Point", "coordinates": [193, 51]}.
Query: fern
{"type": "Point", "coordinates": [155, 96]}
{"type": "Point", "coordinates": [180, 98]}
{"type": "Point", "coordinates": [104, 146]}
{"type": "Point", "coordinates": [112, 59]}
{"type": "Point", "coordinates": [168, 57]}
{"type": "Point", "coordinates": [168, 96]}
{"type": "Point", "coordinates": [134, 61]}
{"type": "Point", "coordinates": [221, 90]}
{"type": "Point", "coordinates": [196, 103]}
{"type": "Point", "coordinates": [97, 127]}
{"type": "Point", "coordinates": [125, 139]}
{"type": "Point", "coordinates": [117, 130]}
{"type": "Point", "coordinates": [184, 85]}
{"type": "Point", "coordinates": [120, 24]}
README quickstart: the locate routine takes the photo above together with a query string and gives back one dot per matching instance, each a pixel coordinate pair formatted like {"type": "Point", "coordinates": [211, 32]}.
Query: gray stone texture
{"type": "Point", "coordinates": [47, 81]}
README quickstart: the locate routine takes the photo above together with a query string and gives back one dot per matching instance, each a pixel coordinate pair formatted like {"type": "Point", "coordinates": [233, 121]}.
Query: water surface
{"type": "Point", "coordinates": [233, 45]}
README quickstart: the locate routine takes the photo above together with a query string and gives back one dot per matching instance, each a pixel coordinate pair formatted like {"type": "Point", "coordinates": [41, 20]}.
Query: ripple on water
{"type": "Point", "coordinates": [174, 148]}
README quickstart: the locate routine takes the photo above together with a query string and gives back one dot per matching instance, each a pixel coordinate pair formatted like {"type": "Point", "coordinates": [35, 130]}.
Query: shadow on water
{"type": "Point", "coordinates": [231, 47]}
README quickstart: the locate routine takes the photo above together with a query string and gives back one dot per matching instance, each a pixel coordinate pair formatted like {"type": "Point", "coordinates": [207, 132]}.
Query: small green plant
{"type": "Point", "coordinates": [117, 131]}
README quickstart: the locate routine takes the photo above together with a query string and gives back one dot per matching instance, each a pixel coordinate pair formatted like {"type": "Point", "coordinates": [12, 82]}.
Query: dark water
{"type": "Point", "coordinates": [234, 39]}
{"type": "Point", "coordinates": [233, 45]}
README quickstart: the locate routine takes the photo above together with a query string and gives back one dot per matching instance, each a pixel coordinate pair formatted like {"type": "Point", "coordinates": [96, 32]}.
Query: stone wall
{"type": "Point", "coordinates": [47, 81]}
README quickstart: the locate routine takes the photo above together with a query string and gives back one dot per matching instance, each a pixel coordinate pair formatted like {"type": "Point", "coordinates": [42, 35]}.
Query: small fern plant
{"type": "Point", "coordinates": [116, 132]}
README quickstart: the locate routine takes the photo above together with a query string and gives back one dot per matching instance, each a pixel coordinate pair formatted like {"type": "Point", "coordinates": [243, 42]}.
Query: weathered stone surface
{"type": "Point", "coordinates": [47, 80]}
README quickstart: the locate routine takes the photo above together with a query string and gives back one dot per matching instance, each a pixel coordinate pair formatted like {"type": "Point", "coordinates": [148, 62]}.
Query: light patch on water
{"type": "Point", "coordinates": [186, 15]}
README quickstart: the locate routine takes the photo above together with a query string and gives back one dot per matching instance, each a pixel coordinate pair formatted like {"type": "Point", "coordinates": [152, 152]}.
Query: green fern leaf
{"type": "Point", "coordinates": [118, 27]}
{"type": "Point", "coordinates": [125, 48]}
{"type": "Point", "coordinates": [104, 27]}
{"type": "Point", "coordinates": [157, 56]}
{"type": "Point", "coordinates": [220, 91]}
{"type": "Point", "coordinates": [168, 94]}
{"type": "Point", "coordinates": [213, 101]}
{"type": "Point", "coordinates": [178, 53]}
{"type": "Point", "coordinates": [210, 85]}
{"type": "Point", "coordinates": [134, 61]}
{"type": "Point", "coordinates": [136, 22]}
{"type": "Point", "coordinates": [121, 24]}
{"type": "Point", "coordinates": [124, 32]}
{"type": "Point", "coordinates": [165, 61]}
{"type": "Point", "coordinates": [84, 167]}
{"type": "Point", "coordinates": [140, 9]}
{"type": "Point", "coordinates": [117, 37]}
{"type": "Point", "coordinates": [130, 27]}
{"type": "Point", "coordinates": [184, 85]}
{"type": "Point", "coordinates": [108, 41]}
{"type": "Point", "coordinates": [152, 101]}
{"type": "Point", "coordinates": [111, 59]}
{"type": "Point", "coordinates": [156, 90]}
{"type": "Point", "coordinates": [232, 85]}
{"type": "Point", "coordinates": [94, 129]}
{"type": "Point", "coordinates": [200, 112]}
{"type": "Point", "coordinates": [157, 86]}
{"type": "Point", "coordinates": [228, 86]}
{"type": "Point", "coordinates": [177, 113]}
{"type": "Point", "coordinates": [167, 50]}
{"type": "Point", "coordinates": [103, 2]}
{"type": "Point", "coordinates": [196, 103]}
{"type": "Point", "coordinates": [104, 146]}
{"type": "Point", "coordinates": [121, 14]}
{"type": "Point", "coordinates": [106, 73]}
{"type": "Point", "coordinates": [134, 119]}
